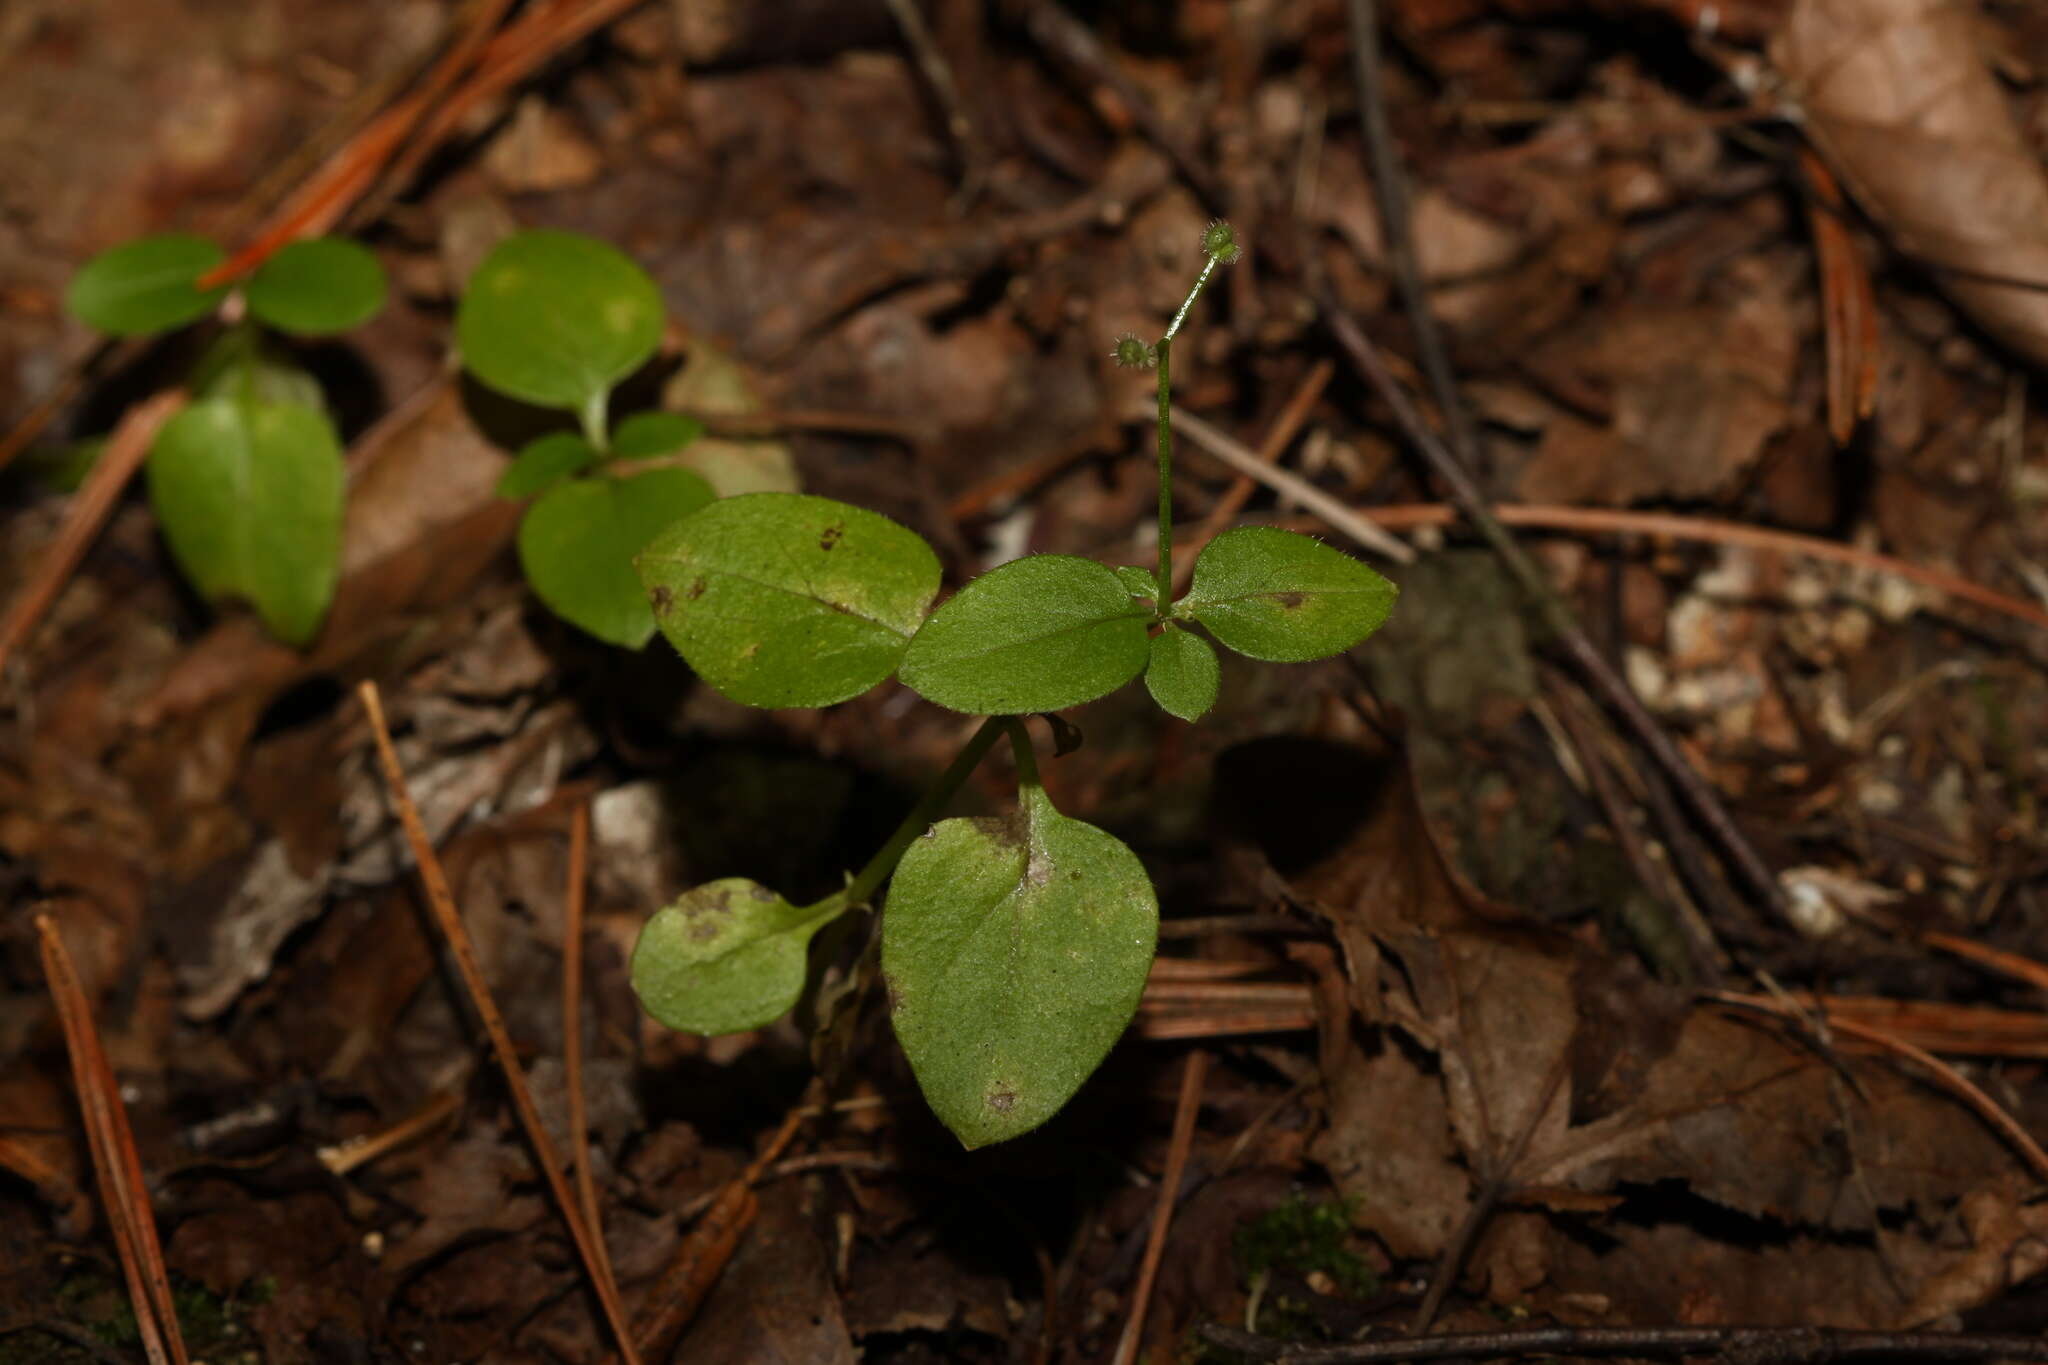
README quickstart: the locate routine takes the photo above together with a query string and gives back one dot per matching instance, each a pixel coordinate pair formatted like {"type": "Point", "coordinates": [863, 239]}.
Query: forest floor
{"type": "Point", "coordinates": [1474, 1016]}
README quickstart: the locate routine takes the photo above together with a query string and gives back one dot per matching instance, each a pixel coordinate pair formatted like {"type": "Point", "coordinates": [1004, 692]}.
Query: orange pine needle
{"type": "Point", "coordinates": [1619, 521]}
{"type": "Point", "coordinates": [1192, 1077]}
{"type": "Point", "coordinates": [1848, 304]}
{"type": "Point", "coordinates": [441, 901]}
{"type": "Point", "coordinates": [89, 510]}
{"type": "Point", "coordinates": [572, 1041]}
{"type": "Point", "coordinates": [711, 1243]}
{"type": "Point", "coordinates": [122, 1187]}
{"type": "Point", "coordinates": [1940, 1072]}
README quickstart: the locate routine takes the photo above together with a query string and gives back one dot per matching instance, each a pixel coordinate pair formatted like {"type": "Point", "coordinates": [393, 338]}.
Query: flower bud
{"type": "Point", "coordinates": [1134, 354]}
{"type": "Point", "coordinates": [1219, 242]}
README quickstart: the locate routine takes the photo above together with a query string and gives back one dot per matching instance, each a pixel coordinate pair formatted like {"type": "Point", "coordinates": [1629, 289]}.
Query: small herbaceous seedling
{"type": "Point", "coordinates": [1014, 949]}
{"type": "Point", "coordinates": [247, 480]}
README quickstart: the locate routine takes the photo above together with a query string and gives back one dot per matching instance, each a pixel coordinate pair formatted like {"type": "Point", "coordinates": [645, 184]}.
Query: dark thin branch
{"type": "Point", "coordinates": [1456, 474]}
{"type": "Point", "coordinates": [938, 74]}
{"type": "Point", "coordinates": [1702, 954]}
{"type": "Point", "coordinates": [1397, 226]}
{"type": "Point", "coordinates": [1073, 45]}
{"type": "Point", "coordinates": [1739, 1345]}
{"type": "Point", "coordinates": [1487, 1198]}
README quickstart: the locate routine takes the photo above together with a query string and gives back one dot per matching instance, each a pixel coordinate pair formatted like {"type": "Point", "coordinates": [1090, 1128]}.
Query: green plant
{"type": "Point", "coordinates": [1014, 949]}
{"type": "Point", "coordinates": [247, 480]}
{"type": "Point", "coordinates": [556, 319]}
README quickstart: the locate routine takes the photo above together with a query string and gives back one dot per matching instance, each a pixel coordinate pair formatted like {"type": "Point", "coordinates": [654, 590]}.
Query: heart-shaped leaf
{"type": "Point", "coordinates": [1182, 673]}
{"type": "Point", "coordinates": [317, 287]}
{"type": "Point", "coordinates": [1283, 597]}
{"type": "Point", "coordinates": [249, 495]}
{"type": "Point", "coordinates": [556, 318]}
{"type": "Point", "coordinates": [145, 286]}
{"type": "Point", "coordinates": [726, 957]}
{"type": "Point", "coordinates": [1015, 952]}
{"type": "Point", "coordinates": [1036, 634]}
{"type": "Point", "coordinates": [783, 599]}
{"type": "Point", "coordinates": [545, 460]}
{"type": "Point", "coordinates": [578, 540]}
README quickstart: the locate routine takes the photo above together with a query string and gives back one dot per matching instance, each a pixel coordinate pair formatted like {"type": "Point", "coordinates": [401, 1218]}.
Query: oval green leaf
{"type": "Point", "coordinates": [578, 540]}
{"type": "Point", "coordinates": [556, 318]}
{"type": "Point", "coordinates": [783, 599]}
{"type": "Point", "coordinates": [249, 496]}
{"type": "Point", "coordinates": [317, 287]}
{"type": "Point", "coordinates": [1015, 952]}
{"type": "Point", "coordinates": [1286, 598]}
{"type": "Point", "coordinates": [545, 460]}
{"type": "Point", "coordinates": [647, 434]}
{"type": "Point", "coordinates": [145, 286]}
{"type": "Point", "coordinates": [726, 957]}
{"type": "Point", "coordinates": [1036, 634]}
{"type": "Point", "coordinates": [1182, 673]}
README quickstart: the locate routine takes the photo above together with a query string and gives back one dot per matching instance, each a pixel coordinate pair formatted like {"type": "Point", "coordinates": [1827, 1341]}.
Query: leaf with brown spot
{"type": "Point", "coordinates": [726, 957]}
{"type": "Point", "coordinates": [1015, 954]}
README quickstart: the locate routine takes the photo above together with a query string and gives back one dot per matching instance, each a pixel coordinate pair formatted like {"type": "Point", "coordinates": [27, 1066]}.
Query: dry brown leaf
{"type": "Point", "coordinates": [1897, 94]}
{"type": "Point", "coordinates": [1692, 396]}
{"type": "Point", "coordinates": [775, 1302]}
{"type": "Point", "coordinates": [2010, 1245]}
{"type": "Point", "coordinates": [1520, 1054]}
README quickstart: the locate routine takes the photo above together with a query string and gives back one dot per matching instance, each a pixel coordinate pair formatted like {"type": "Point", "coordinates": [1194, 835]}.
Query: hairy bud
{"type": "Point", "coordinates": [1219, 242]}
{"type": "Point", "coordinates": [1133, 354]}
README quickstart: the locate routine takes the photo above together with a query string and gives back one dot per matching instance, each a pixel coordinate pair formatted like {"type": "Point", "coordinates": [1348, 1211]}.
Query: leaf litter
{"type": "Point", "coordinates": [1407, 866]}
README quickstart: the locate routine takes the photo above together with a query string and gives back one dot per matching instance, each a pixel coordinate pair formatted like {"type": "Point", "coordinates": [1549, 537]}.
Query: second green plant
{"type": "Point", "coordinates": [1014, 949]}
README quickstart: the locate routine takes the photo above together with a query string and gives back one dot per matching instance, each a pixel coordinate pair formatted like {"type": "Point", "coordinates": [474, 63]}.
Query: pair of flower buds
{"type": "Point", "coordinates": [1220, 245]}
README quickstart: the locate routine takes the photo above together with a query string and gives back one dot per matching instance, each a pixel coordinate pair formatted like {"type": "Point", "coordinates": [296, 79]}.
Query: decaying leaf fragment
{"type": "Point", "coordinates": [1897, 94]}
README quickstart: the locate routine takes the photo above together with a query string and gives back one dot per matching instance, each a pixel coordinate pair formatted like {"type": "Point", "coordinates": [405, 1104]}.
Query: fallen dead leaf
{"type": "Point", "coordinates": [1898, 95]}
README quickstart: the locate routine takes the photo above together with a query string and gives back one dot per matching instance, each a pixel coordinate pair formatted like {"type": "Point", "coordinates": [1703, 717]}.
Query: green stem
{"type": "Point", "coordinates": [1165, 352]}
{"type": "Point", "coordinates": [924, 812]}
{"type": "Point", "coordinates": [1201, 282]}
{"type": "Point", "coordinates": [593, 414]}
{"type": "Point", "coordinates": [1027, 758]}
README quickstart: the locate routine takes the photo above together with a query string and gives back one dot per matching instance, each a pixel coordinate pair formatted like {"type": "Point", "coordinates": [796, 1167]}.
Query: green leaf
{"type": "Point", "coordinates": [1287, 598]}
{"type": "Point", "coordinates": [1015, 952]}
{"type": "Point", "coordinates": [145, 286]}
{"type": "Point", "coordinates": [1182, 673]}
{"type": "Point", "coordinates": [1036, 634]}
{"type": "Point", "coordinates": [726, 957]}
{"type": "Point", "coordinates": [1139, 583]}
{"type": "Point", "coordinates": [249, 495]}
{"type": "Point", "coordinates": [578, 540]}
{"type": "Point", "coordinates": [555, 318]}
{"type": "Point", "coordinates": [543, 460]}
{"type": "Point", "coordinates": [317, 287]}
{"type": "Point", "coordinates": [783, 599]}
{"type": "Point", "coordinates": [647, 434]}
